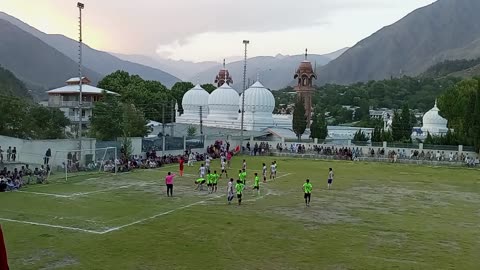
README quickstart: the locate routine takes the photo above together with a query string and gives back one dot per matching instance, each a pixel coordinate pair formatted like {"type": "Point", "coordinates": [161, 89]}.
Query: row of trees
{"type": "Point", "coordinates": [418, 93]}
{"type": "Point", "coordinates": [21, 117]}
{"type": "Point", "coordinates": [139, 100]}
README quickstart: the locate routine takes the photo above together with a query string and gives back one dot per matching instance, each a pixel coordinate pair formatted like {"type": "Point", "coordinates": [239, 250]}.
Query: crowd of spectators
{"type": "Point", "coordinates": [258, 149]}
{"type": "Point", "coordinates": [392, 155]}
{"type": "Point", "coordinates": [19, 178]}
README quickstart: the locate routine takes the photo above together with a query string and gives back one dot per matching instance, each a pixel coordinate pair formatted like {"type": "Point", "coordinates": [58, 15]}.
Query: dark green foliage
{"type": "Point", "coordinates": [360, 136]}
{"type": "Point", "coordinates": [152, 98]}
{"type": "Point", "coordinates": [418, 93]}
{"type": "Point", "coordinates": [112, 119]}
{"type": "Point", "coordinates": [25, 119]}
{"type": "Point", "coordinates": [178, 90]}
{"type": "Point", "coordinates": [318, 128]}
{"type": "Point", "coordinates": [299, 120]}
{"type": "Point", "coordinates": [11, 86]}
{"type": "Point", "coordinates": [209, 87]}
{"type": "Point", "coordinates": [450, 66]}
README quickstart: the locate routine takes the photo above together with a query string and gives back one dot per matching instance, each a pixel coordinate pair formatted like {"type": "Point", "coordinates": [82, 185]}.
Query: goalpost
{"type": "Point", "coordinates": [70, 162]}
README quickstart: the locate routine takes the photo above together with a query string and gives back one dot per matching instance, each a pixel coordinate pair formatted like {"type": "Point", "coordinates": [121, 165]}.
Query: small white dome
{"type": "Point", "coordinates": [223, 103]}
{"type": "Point", "coordinates": [258, 99]}
{"type": "Point", "coordinates": [194, 99]}
{"type": "Point", "coordinates": [433, 119]}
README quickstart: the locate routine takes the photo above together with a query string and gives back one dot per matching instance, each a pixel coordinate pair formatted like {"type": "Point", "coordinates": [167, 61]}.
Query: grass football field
{"type": "Point", "coordinates": [377, 216]}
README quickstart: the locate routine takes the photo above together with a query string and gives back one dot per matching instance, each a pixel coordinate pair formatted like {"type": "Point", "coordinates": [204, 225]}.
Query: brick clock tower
{"type": "Point", "coordinates": [223, 76]}
{"type": "Point", "coordinates": [304, 76]}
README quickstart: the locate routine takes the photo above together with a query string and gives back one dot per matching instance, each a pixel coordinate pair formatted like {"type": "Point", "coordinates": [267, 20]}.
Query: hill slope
{"type": "Point", "coordinates": [446, 29]}
{"type": "Point", "coordinates": [34, 62]}
{"type": "Point", "coordinates": [11, 85]}
{"type": "Point", "coordinates": [274, 72]}
{"type": "Point", "coordinates": [101, 62]}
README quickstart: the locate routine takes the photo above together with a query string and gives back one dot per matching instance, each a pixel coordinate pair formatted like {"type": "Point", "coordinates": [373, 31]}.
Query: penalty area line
{"type": "Point", "coordinates": [158, 215]}
{"type": "Point", "coordinates": [51, 226]}
{"type": "Point", "coordinates": [73, 194]}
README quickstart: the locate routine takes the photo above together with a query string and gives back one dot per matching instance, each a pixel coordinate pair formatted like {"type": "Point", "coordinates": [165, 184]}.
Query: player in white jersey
{"type": "Point", "coordinates": [224, 169]}
{"type": "Point", "coordinates": [264, 172]}
{"type": "Point", "coordinates": [273, 171]}
{"type": "Point", "coordinates": [207, 163]}
{"type": "Point", "coordinates": [330, 177]}
{"type": "Point", "coordinates": [202, 171]}
{"type": "Point", "coordinates": [244, 165]}
{"type": "Point", "coordinates": [230, 191]}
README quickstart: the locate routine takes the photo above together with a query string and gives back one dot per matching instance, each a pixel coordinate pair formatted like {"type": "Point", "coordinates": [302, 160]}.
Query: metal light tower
{"type": "Point", "coordinates": [245, 42]}
{"type": "Point", "coordinates": [80, 44]}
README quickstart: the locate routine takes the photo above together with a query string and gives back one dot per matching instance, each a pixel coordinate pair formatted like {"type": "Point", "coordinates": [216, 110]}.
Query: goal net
{"type": "Point", "coordinates": [68, 163]}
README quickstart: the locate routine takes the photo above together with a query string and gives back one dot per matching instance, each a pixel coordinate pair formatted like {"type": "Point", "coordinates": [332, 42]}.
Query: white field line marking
{"type": "Point", "coordinates": [73, 194]}
{"type": "Point", "coordinates": [159, 215]}
{"type": "Point", "coordinates": [51, 226]}
{"type": "Point", "coordinates": [45, 194]}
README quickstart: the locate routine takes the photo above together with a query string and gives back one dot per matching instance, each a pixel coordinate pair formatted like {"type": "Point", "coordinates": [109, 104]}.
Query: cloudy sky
{"type": "Point", "coordinates": [199, 30]}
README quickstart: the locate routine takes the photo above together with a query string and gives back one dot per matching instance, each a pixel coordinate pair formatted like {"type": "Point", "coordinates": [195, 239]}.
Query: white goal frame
{"type": "Point", "coordinates": [62, 156]}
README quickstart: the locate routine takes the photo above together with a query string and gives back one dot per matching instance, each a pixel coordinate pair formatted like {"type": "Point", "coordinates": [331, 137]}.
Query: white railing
{"type": "Point", "coordinates": [71, 104]}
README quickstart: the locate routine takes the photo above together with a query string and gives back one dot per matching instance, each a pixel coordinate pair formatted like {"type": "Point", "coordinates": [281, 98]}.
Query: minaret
{"type": "Point", "coordinates": [304, 76]}
{"type": "Point", "coordinates": [223, 76]}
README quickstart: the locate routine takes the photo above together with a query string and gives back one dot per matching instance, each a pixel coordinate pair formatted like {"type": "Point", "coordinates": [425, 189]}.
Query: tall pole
{"type": "Point", "coordinates": [201, 120]}
{"type": "Point", "coordinates": [245, 42]}
{"type": "Point", "coordinates": [80, 82]}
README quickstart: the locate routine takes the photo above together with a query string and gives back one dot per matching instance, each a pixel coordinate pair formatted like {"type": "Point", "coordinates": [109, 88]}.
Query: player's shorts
{"type": "Point", "coordinates": [330, 181]}
{"type": "Point", "coordinates": [209, 184]}
{"type": "Point", "coordinates": [224, 171]}
{"type": "Point", "coordinates": [239, 196]}
{"type": "Point", "coordinates": [307, 195]}
{"type": "Point", "coordinates": [214, 184]}
{"type": "Point", "coordinates": [256, 187]}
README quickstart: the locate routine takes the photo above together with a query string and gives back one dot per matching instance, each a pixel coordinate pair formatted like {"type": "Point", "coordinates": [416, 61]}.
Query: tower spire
{"type": "Point", "coordinates": [225, 72]}
{"type": "Point", "coordinates": [306, 53]}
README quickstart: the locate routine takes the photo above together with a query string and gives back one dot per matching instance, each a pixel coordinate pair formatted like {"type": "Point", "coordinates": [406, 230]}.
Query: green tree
{"type": "Point", "coordinates": [191, 131]}
{"type": "Point", "coordinates": [150, 97]}
{"type": "Point", "coordinates": [46, 123]}
{"type": "Point", "coordinates": [178, 91]}
{"type": "Point", "coordinates": [318, 128]}
{"type": "Point", "coordinates": [397, 127]}
{"type": "Point", "coordinates": [299, 120]}
{"type": "Point", "coordinates": [112, 119]}
{"type": "Point", "coordinates": [360, 136]}
{"type": "Point", "coordinates": [209, 87]}
{"type": "Point", "coordinates": [406, 123]}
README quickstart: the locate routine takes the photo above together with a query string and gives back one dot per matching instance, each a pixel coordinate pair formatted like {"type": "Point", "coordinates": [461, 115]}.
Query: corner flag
{"type": "Point", "coordinates": [3, 253]}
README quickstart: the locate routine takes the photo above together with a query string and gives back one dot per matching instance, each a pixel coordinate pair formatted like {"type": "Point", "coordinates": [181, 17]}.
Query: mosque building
{"type": "Point", "coordinates": [222, 108]}
{"type": "Point", "coordinates": [433, 123]}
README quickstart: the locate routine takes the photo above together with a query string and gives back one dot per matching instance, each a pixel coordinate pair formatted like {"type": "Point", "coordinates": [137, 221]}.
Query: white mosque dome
{"type": "Point", "coordinates": [433, 118]}
{"type": "Point", "coordinates": [258, 99]}
{"type": "Point", "coordinates": [194, 99]}
{"type": "Point", "coordinates": [433, 122]}
{"type": "Point", "coordinates": [223, 103]}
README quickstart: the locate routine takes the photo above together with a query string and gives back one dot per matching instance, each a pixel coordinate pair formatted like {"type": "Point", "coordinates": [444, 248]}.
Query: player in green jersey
{"type": "Point", "coordinates": [256, 184]}
{"type": "Point", "coordinates": [307, 189]}
{"type": "Point", "coordinates": [239, 187]}
{"type": "Point", "coordinates": [199, 182]}
{"type": "Point", "coordinates": [215, 178]}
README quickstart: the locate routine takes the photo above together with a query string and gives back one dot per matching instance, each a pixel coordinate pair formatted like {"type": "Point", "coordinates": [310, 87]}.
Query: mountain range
{"type": "Point", "coordinates": [446, 29]}
{"type": "Point", "coordinates": [275, 72]}
{"type": "Point", "coordinates": [20, 35]}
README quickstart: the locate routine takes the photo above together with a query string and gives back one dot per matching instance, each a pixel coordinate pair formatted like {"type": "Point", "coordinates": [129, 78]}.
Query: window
{"type": "Point", "coordinates": [83, 113]}
{"type": "Point", "coordinates": [71, 112]}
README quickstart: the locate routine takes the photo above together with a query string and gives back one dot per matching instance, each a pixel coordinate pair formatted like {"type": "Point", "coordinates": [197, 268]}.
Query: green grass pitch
{"type": "Point", "coordinates": [377, 216]}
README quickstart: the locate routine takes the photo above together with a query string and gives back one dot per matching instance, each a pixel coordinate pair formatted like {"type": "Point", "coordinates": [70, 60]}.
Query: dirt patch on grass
{"type": "Point", "coordinates": [60, 264]}
{"type": "Point", "coordinates": [342, 206]}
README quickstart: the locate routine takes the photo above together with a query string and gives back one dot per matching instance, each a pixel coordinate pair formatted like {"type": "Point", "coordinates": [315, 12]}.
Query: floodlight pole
{"type": "Point", "coordinates": [245, 42]}
{"type": "Point", "coordinates": [80, 6]}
